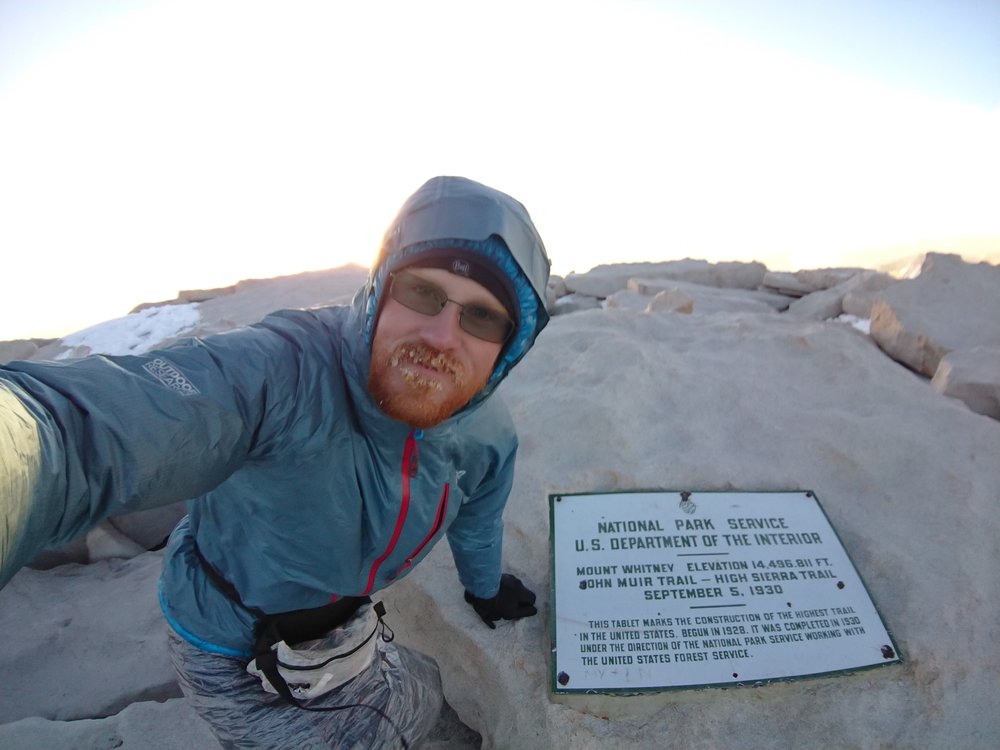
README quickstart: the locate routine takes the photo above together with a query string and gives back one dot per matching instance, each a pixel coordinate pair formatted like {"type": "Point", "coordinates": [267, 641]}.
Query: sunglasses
{"type": "Point", "coordinates": [426, 298]}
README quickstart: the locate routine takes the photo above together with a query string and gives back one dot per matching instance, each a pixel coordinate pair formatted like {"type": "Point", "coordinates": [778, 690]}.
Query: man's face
{"type": "Point", "coordinates": [424, 368]}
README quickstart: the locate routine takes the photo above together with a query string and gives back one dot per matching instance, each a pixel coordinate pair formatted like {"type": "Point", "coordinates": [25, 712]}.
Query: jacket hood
{"type": "Point", "coordinates": [458, 212]}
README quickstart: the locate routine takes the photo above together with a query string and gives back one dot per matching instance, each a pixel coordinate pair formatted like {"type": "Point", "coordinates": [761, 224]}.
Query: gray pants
{"type": "Point", "coordinates": [403, 684]}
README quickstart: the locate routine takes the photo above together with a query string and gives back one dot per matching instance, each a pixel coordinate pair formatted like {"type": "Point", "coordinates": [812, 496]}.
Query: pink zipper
{"type": "Point", "coordinates": [442, 513]}
{"type": "Point", "coordinates": [409, 471]}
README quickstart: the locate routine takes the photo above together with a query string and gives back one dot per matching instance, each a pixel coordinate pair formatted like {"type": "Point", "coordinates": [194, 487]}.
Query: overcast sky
{"type": "Point", "coordinates": [148, 146]}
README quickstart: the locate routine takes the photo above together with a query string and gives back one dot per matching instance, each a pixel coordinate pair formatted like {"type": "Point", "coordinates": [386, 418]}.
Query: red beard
{"type": "Point", "coordinates": [407, 395]}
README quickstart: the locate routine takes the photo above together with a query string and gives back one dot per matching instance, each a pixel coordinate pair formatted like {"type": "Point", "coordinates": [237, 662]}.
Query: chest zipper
{"type": "Point", "coordinates": [442, 513]}
{"type": "Point", "coordinates": [409, 468]}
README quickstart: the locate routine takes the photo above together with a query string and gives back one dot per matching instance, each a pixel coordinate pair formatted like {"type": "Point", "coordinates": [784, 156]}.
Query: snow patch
{"type": "Point", "coordinates": [136, 333]}
{"type": "Point", "coordinates": [862, 324]}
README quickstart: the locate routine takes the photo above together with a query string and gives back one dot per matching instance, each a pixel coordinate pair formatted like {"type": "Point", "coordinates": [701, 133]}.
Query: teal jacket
{"type": "Point", "coordinates": [303, 490]}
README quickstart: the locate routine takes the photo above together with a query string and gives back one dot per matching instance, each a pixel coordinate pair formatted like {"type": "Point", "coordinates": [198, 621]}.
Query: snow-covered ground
{"type": "Point", "coordinates": [135, 333]}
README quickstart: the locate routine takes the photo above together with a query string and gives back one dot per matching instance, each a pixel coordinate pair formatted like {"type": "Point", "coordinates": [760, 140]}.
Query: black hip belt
{"type": "Point", "coordinates": [275, 633]}
{"type": "Point", "coordinates": [292, 627]}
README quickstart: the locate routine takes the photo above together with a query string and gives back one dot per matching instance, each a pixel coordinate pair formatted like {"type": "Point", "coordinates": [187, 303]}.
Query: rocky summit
{"type": "Point", "coordinates": [880, 394]}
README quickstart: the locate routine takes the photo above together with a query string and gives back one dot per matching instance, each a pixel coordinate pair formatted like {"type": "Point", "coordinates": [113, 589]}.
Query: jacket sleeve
{"type": "Point", "coordinates": [86, 439]}
{"type": "Point", "coordinates": [476, 535]}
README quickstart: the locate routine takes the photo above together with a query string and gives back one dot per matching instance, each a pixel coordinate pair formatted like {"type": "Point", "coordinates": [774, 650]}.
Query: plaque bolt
{"type": "Point", "coordinates": [583, 584]}
{"type": "Point", "coordinates": [686, 504]}
{"type": "Point", "coordinates": [888, 653]}
{"type": "Point", "coordinates": [563, 678]}
{"type": "Point", "coordinates": [840, 584]}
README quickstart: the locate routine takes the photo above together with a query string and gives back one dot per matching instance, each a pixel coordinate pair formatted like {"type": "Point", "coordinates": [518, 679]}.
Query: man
{"type": "Point", "coordinates": [327, 452]}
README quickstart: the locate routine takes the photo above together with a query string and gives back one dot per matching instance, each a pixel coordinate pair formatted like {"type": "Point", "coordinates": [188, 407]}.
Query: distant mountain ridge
{"type": "Point", "coordinates": [243, 303]}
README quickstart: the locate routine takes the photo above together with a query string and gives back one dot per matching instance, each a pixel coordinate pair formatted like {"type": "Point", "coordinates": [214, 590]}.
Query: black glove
{"type": "Point", "coordinates": [512, 602]}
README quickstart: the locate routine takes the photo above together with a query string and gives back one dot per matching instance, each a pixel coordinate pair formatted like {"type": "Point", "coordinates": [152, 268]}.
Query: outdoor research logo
{"type": "Point", "coordinates": [170, 377]}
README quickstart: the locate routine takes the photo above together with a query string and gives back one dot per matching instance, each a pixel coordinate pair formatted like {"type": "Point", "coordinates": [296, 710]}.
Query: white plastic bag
{"type": "Point", "coordinates": [312, 668]}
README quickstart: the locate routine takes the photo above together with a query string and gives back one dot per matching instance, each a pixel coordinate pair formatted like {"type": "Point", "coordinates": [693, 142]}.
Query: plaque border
{"type": "Point", "coordinates": [558, 689]}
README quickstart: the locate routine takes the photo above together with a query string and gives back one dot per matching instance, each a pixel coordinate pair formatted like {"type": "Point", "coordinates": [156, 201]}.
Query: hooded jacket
{"type": "Point", "coordinates": [304, 491]}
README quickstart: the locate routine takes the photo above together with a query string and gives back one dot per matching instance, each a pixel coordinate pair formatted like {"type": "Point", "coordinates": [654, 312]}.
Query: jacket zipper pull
{"type": "Point", "coordinates": [411, 470]}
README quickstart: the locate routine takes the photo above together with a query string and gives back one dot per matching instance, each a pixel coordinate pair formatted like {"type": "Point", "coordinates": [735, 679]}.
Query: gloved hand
{"type": "Point", "coordinates": [512, 602]}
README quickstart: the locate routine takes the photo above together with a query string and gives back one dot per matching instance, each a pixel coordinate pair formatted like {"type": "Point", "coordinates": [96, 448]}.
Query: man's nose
{"type": "Point", "coordinates": [443, 331]}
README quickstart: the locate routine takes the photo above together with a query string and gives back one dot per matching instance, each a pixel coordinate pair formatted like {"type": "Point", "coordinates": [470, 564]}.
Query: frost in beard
{"type": "Point", "coordinates": [426, 357]}
{"type": "Point", "coordinates": [413, 395]}
{"type": "Point", "coordinates": [419, 381]}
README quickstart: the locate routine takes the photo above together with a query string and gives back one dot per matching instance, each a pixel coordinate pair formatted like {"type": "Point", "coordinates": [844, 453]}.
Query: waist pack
{"type": "Point", "coordinates": [310, 668]}
{"type": "Point", "coordinates": [308, 652]}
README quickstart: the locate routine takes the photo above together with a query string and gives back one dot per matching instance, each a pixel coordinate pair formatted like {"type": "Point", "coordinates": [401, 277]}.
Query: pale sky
{"type": "Point", "coordinates": [148, 146]}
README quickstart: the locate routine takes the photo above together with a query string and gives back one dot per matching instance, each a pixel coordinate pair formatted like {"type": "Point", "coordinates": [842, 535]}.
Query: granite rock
{"type": "Point", "coordinates": [148, 725]}
{"type": "Point", "coordinates": [973, 377]}
{"type": "Point", "coordinates": [782, 282]}
{"type": "Point", "coordinates": [737, 399]}
{"type": "Point", "coordinates": [860, 292]}
{"type": "Point", "coordinates": [574, 302]}
{"type": "Point", "coordinates": [671, 300]}
{"type": "Point", "coordinates": [555, 289]}
{"type": "Point", "coordinates": [710, 299]}
{"type": "Point", "coordinates": [951, 305]}
{"type": "Point", "coordinates": [852, 296]}
{"type": "Point", "coordinates": [21, 349]}
{"type": "Point", "coordinates": [97, 641]}
{"type": "Point", "coordinates": [717, 403]}
{"type": "Point", "coordinates": [604, 280]}
{"type": "Point", "coordinates": [627, 299]}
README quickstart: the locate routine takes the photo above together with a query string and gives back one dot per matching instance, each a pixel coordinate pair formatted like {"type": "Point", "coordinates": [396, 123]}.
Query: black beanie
{"type": "Point", "coordinates": [472, 266]}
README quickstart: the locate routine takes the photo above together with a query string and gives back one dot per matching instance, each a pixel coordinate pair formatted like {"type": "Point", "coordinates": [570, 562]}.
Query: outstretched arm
{"type": "Point", "coordinates": [20, 467]}
{"type": "Point", "coordinates": [83, 440]}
